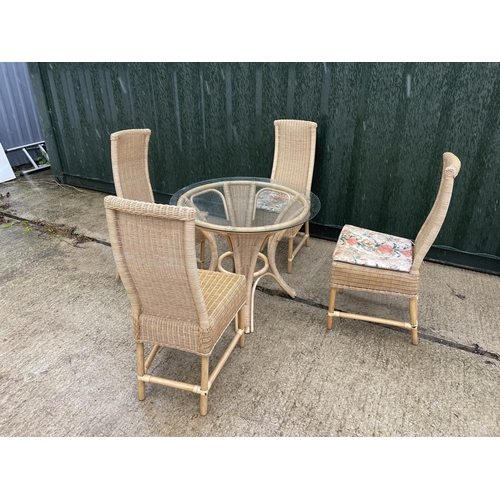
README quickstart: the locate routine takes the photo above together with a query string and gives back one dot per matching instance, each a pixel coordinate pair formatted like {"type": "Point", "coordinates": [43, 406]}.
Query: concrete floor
{"type": "Point", "coordinates": [67, 355]}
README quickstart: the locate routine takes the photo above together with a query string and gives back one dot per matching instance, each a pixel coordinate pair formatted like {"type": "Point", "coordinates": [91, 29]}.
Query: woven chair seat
{"type": "Point", "coordinates": [272, 201]}
{"type": "Point", "coordinates": [292, 232]}
{"type": "Point", "coordinates": [373, 249]}
{"type": "Point", "coordinates": [372, 279]}
{"type": "Point", "coordinates": [222, 293]}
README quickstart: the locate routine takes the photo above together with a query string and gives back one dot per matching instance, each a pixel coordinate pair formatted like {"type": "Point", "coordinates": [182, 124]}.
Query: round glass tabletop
{"type": "Point", "coordinates": [247, 204]}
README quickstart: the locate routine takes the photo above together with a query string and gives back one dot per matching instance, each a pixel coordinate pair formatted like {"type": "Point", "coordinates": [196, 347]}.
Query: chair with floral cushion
{"type": "Point", "coordinates": [369, 261]}
{"type": "Point", "coordinates": [294, 153]}
{"type": "Point", "coordinates": [129, 162]}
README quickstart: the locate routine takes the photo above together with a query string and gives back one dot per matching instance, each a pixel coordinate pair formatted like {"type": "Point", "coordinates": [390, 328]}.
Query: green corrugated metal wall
{"type": "Point", "coordinates": [382, 129]}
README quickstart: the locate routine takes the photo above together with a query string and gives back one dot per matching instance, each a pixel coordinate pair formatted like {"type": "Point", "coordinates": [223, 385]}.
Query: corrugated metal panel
{"type": "Point", "coordinates": [19, 122]}
{"type": "Point", "coordinates": [382, 130]}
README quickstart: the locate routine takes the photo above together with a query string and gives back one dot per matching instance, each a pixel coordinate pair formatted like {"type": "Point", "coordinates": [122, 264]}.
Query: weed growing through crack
{"type": "Point", "coordinates": [59, 230]}
{"type": "Point", "coordinates": [64, 232]}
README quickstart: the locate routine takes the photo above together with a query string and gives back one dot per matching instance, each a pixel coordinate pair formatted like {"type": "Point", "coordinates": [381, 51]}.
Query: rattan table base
{"type": "Point", "coordinates": [245, 253]}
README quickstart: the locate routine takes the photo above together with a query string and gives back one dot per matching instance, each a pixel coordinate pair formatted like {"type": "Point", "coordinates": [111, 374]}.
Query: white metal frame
{"type": "Point", "coordinates": [34, 145]}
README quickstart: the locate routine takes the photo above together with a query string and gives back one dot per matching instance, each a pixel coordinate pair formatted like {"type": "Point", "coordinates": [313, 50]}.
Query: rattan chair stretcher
{"type": "Point", "coordinates": [293, 163]}
{"type": "Point", "coordinates": [349, 276]}
{"type": "Point", "coordinates": [174, 304]}
{"type": "Point", "coordinates": [129, 162]}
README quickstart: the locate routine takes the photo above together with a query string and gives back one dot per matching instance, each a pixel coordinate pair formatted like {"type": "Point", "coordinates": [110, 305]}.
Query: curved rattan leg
{"type": "Point", "coordinates": [140, 370]}
{"type": "Point", "coordinates": [230, 246]}
{"type": "Point", "coordinates": [264, 243]}
{"type": "Point", "coordinates": [271, 255]}
{"type": "Point", "coordinates": [306, 231]}
{"type": "Point", "coordinates": [414, 321]}
{"type": "Point", "coordinates": [204, 385]}
{"type": "Point", "coordinates": [245, 254]}
{"type": "Point", "coordinates": [331, 308]}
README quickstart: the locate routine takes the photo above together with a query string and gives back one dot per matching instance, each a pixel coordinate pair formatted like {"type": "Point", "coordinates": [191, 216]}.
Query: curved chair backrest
{"type": "Point", "coordinates": [294, 152]}
{"type": "Point", "coordinates": [432, 225]}
{"type": "Point", "coordinates": [129, 160]}
{"type": "Point", "coordinates": [159, 273]}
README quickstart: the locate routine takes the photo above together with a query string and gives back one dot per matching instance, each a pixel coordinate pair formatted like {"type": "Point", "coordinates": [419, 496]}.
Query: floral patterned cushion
{"type": "Point", "coordinates": [271, 201]}
{"type": "Point", "coordinates": [369, 248]}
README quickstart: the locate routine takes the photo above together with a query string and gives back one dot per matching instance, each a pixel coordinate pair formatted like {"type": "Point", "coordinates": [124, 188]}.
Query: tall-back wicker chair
{"type": "Point", "coordinates": [129, 161]}
{"type": "Point", "coordinates": [174, 304]}
{"type": "Point", "coordinates": [294, 152]}
{"type": "Point", "coordinates": [369, 261]}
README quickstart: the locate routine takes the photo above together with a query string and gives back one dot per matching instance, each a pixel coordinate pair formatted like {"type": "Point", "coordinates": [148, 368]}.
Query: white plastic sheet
{"type": "Point", "coordinates": [6, 172]}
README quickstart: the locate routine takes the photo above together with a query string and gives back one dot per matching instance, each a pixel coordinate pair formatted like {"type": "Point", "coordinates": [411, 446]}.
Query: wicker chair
{"type": "Point", "coordinates": [174, 304]}
{"type": "Point", "coordinates": [368, 261]}
{"type": "Point", "coordinates": [129, 161]}
{"type": "Point", "coordinates": [294, 152]}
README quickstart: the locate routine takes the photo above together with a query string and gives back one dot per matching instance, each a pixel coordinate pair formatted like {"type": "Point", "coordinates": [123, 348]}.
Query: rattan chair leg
{"type": "Point", "coordinates": [306, 231]}
{"type": "Point", "coordinates": [205, 362]}
{"type": "Point", "coordinates": [141, 370]}
{"type": "Point", "coordinates": [290, 255]}
{"type": "Point", "coordinates": [331, 308]}
{"type": "Point", "coordinates": [240, 318]}
{"type": "Point", "coordinates": [202, 254]}
{"type": "Point", "coordinates": [414, 321]}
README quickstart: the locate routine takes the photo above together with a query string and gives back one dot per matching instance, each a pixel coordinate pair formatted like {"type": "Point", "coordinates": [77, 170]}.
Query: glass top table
{"type": "Point", "coordinates": [248, 211]}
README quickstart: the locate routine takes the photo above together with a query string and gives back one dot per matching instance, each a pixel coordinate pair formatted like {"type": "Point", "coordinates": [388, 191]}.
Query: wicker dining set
{"type": "Point", "coordinates": [180, 302]}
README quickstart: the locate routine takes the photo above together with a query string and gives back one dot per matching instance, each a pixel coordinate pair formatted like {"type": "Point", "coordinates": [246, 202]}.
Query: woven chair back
{"type": "Point", "coordinates": [432, 225]}
{"type": "Point", "coordinates": [294, 152]}
{"type": "Point", "coordinates": [240, 201]}
{"type": "Point", "coordinates": [129, 160]}
{"type": "Point", "coordinates": [154, 250]}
